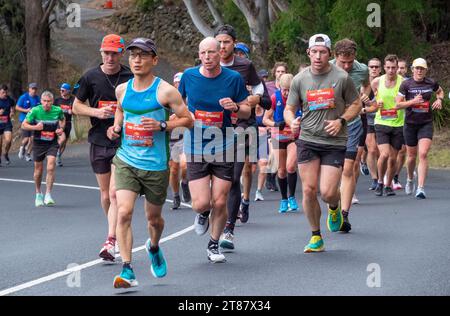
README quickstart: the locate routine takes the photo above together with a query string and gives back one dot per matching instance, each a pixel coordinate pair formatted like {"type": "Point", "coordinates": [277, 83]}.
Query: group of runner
{"type": "Point", "coordinates": [217, 123]}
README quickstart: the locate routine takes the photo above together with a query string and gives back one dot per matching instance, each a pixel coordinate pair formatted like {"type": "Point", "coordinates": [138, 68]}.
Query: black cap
{"type": "Point", "coordinates": [146, 44]}
{"type": "Point", "coordinates": [226, 29]}
{"type": "Point", "coordinates": [263, 73]}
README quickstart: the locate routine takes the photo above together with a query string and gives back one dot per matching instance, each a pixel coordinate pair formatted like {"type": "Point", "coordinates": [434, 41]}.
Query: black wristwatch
{"type": "Point", "coordinates": [343, 121]}
{"type": "Point", "coordinates": [237, 109]}
{"type": "Point", "coordinates": [163, 125]}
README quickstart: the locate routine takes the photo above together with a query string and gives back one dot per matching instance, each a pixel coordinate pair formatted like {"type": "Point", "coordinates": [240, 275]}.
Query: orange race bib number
{"type": "Point", "coordinates": [234, 118]}
{"type": "Point", "coordinates": [3, 119]}
{"type": "Point", "coordinates": [66, 108]}
{"type": "Point", "coordinates": [284, 135]}
{"type": "Point", "coordinates": [136, 135]}
{"type": "Point", "coordinates": [209, 119]}
{"type": "Point", "coordinates": [104, 104]}
{"type": "Point", "coordinates": [47, 136]}
{"type": "Point", "coordinates": [421, 107]}
{"type": "Point", "coordinates": [388, 114]}
{"type": "Point", "coordinates": [322, 99]}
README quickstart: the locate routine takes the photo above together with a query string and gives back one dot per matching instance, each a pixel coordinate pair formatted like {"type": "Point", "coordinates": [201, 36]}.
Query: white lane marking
{"type": "Point", "coordinates": [85, 265]}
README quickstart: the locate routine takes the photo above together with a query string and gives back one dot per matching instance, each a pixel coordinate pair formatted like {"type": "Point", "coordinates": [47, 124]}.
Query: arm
{"type": "Point", "coordinates": [437, 105]}
{"type": "Point", "coordinates": [268, 118]}
{"type": "Point", "coordinates": [62, 125]}
{"type": "Point", "coordinates": [19, 106]}
{"type": "Point", "coordinates": [113, 131]}
{"type": "Point", "coordinates": [334, 126]}
{"type": "Point", "coordinates": [373, 106]}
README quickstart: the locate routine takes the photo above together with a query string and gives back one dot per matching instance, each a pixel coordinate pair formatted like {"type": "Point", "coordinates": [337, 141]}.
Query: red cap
{"type": "Point", "coordinates": [113, 43]}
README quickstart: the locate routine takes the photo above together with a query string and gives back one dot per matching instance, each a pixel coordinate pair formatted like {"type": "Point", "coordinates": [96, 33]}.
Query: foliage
{"type": "Point", "coordinates": [147, 5]}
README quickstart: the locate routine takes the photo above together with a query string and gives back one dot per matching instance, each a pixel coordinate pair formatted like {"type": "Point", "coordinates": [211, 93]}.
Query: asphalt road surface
{"type": "Point", "coordinates": [398, 245]}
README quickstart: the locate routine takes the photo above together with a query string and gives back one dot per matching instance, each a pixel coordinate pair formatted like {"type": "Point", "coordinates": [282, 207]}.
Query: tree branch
{"type": "Point", "coordinates": [199, 23]}
{"type": "Point", "coordinates": [48, 10]}
{"type": "Point", "coordinates": [281, 5]}
{"type": "Point", "coordinates": [215, 12]}
{"type": "Point", "coordinates": [244, 6]}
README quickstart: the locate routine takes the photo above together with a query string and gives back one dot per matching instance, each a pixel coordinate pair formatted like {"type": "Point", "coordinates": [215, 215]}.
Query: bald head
{"type": "Point", "coordinates": [209, 54]}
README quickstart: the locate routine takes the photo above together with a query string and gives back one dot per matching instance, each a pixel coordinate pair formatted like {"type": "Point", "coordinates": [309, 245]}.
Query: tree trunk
{"type": "Point", "coordinates": [218, 20]}
{"type": "Point", "coordinates": [200, 24]}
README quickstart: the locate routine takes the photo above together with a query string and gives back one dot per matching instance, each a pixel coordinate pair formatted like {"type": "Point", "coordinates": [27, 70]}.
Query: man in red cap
{"type": "Point", "coordinates": [96, 98]}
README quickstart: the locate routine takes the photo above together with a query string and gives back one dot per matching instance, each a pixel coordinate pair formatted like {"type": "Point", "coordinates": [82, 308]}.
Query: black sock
{"type": "Point", "coordinates": [316, 233]}
{"type": "Point", "coordinates": [333, 208]}
{"type": "Point", "coordinates": [396, 178]}
{"type": "Point", "coordinates": [206, 213]}
{"type": "Point", "coordinates": [213, 242]}
{"type": "Point", "coordinates": [154, 249]}
{"type": "Point", "coordinates": [344, 213]}
{"type": "Point", "coordinates": [292, 182]}
{"type": "Point", "coordinates": [229, 227]}
{"type": "Point", "coordinates": [127, 265]}
{"type": "Point", "coordinates": [283, 183]}
{"type": "Point", "coordinates": [176, 194]}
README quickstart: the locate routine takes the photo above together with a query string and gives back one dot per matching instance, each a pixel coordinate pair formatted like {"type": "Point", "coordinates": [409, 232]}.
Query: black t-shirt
{"type": "Point", "coordinates": [419, 113]}
{"type": "Point", "coordinates": [99, 89]}
{"type": "Point", "coordinates": [66, 105]}
{"type": "Point", "coordinates": [248, 72]}
{"type": "Point", "coordinates": [6, 105]}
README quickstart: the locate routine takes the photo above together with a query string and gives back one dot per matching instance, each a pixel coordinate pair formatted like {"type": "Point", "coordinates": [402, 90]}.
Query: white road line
{"type": "Point", "coordinates": [85, 265]}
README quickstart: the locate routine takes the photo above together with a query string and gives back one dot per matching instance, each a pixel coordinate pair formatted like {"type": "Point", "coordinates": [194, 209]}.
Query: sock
{"type": "Point", "coordinates": [292, 182]}
{"type": "Point", "coordinates": [283, 183]}
{"type": "Point", "coordinates": [176, 194]}
{"type": "Point", "coordinates": [333, 208]}
{"type": "Point", "coordinates": [396, 178]}
{"type": "Point", "coordinates": [127, 265]}
{"type": "Point", "coordinates": [213, 242]}
{"type": "Point", "coordinates": [229, 227]}
{"type": "Point", "coordinates": [316, 233]}
{"type": "Point", "coordinates": [344, 213]}
{"type": "Point", "coordinates": [154, 249]}
{"type": "Point", "coordinates": [112, 239]}
{"type": "Point", "coordinates": [206, 213]}
{"type": "Point", "coordinates": [246, 202]}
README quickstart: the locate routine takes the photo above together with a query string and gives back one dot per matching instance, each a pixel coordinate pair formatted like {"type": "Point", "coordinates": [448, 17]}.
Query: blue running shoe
{"type": "Point", "coordinates": [284, 206]}
{"type": "Point", "coordinates": [158, 262]}
{"type": "Point", "coordinates": [293, 206]}
{"type": "Point", "coordinates": [125, 280]}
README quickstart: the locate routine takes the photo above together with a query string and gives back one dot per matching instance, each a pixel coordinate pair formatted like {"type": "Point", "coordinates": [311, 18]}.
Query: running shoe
{"type": "Point", "coordinates": [420, 194]}
{"type": "Point", "coordinates": [59, 161]}
{"type": "Point", "coordinates": [355, 200]}
{"type": "Point", "coordinates": [379, 189]}
{"type": "Point", "coordinates": [374, 184]}
{"type": "Point", "coordinates": [126, 279]}
{"type": "Point", "coordinates": [292, 204]}
{"type": "Point", "coordinates": [7, 159]}
{"type": "Point", "coordinates": [107, 253]}
{"type": "Point", "coordinates": [226, 240]}
{"type": "Point", "coordinates": [48, 200]}
{"type": "Point", "coordinates": [388, 191]}
{"type": "Point", "coordinates": [315, 245]}
{"type": "Point", "coordinates": [409, 187]}
{"type": "Point", "coordinates": [158, 262]}
{"type": "Point", "coordinates": [201, 224]}
{"type": "Point", "coordinates": [21, 152]}
{"type": "Point", "coordinates": [176, 202]}
{"type": "Point", "coordinates": [185, 191]}
{"type": "Point", "coordinates": [334, 220]}
{"type": "Point", "coordinates": [396, 185]}
{"type": "Point", "coordinates": [284, 206]}
{"type": "Point", "coordinates": [28, 157]}
{"type": "Point", "coordinates": [259, 196]}
{"type": "Point", "coordinates": [214, 254]}
{"type": "Point", "coordinates": [364, 169]}
{"type": "Point", "coordinates": [244, 213]}
{"type": "Point", "coordinates": [346, 226]}
{"type": "Point", "coordinates": [39, 201]}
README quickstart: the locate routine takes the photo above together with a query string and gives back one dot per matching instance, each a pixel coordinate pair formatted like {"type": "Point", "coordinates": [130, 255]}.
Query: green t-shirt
{"type": "Point", "coordinates": [50, 120]}
{"type": "Point", "coordinates": [322, 97]}
{"type": "Point", "coordinates": [387, 115]}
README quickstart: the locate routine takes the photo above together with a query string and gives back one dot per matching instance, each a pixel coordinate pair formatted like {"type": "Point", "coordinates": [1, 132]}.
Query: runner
{"type": "Point", "coordinates": [415, 96]}
{"type": "Point", "coordinates": [263, 153]}
{"type": "Point", "coordinates": [283, 140]}
{"type": "Point", "coordinates": [142, 160]}
{"type": "Point", "coordinates": [96, 98]}
{"type": "Point", "coordinates": [177, 161]}
{"type": "Point", "coordinates": [65, 102]}
{"type": "Point", "coordinates": [372, 149]}
{"type": "Point", "coordinates": [242, 50]}
{"type": "Point", "coordinates": [279, 69]}
{"type": "Point", "coordinates": [389, 123]}
{"type": "Point", "coordinates": [47, 122]}
{"type": "Point", "coordinates": [345, 58]}
{"type": "Point", "coordinates": [6, 117]}
{"type": "Point", "coordinates": [328, 99]}
{"type": "Point", "coordinates": [213, 92]}
{"type": "Point", "coordinates": [26, 102]}
{"type": "Point", "coordinates": [246, 131]}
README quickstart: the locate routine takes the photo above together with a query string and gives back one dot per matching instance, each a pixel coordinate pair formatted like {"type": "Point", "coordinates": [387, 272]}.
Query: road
{"type": "Point", "coordinates": [398, 245]}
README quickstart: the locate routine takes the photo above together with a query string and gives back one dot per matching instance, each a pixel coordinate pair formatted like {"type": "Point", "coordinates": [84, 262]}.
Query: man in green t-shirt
{"type": "Point", "coordinates": [328, 99]}
{"type": "Point", "coordinates": [47, 122]}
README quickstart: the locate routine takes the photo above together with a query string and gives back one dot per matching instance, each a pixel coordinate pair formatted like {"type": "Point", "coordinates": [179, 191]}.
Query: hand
{"type": "Point", "coordinates": [253, 100]}
{"type": "Point", "coordinates": [59, 131]}
{"type": "Point", "coordinates": [70, 112]}
{"type": "Point", "coordinates": [417, 99]}
{"type": "Point", "coordinates": [105, 113]}
{"type": "Point", "coordinates": [295, 125]}
{"type": "Point", "coordinates": [2, 111]}
{"type": "Point", "coordinates": [437, 105]}
{"type": "Point", "coordinates": [333, 127]}
{"type": "Point", "coordinates": [365, 99]}
{"type": "Point", "coordinates": [228, 104]}
{"type": "Point", "coordinates": [172, 117]}
{"type": "Point", "coordinates": [39, 126]}
{"type": "Point", "coordinates": [151, 124]}
{"type": "Point", "coordinates": [113, 132]}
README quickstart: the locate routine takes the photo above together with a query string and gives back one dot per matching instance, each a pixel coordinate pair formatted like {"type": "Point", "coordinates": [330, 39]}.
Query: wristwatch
{"type": "Point", "coordinates": [237, 108]}
{"type": "Point", "coordinates": [163, 125]}
{"type": "Point", "coordinates": [343, 121]}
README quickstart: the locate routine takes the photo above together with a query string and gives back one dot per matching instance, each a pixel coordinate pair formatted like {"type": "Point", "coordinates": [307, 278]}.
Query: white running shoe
{"type": "Point", "coordinates": [201, 224]}
{"type": "Point", "coordinates": [259, 196]}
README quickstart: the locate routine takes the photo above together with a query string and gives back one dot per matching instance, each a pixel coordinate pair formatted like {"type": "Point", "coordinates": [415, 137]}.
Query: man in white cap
{"type": "Point", "coordinates": [414, 96]}
{"type": "Point", "coordinates": [328, 99]}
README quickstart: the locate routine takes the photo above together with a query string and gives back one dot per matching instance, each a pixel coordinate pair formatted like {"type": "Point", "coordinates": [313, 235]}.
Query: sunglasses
{"type": "Point", "coordinates": [374, 66]}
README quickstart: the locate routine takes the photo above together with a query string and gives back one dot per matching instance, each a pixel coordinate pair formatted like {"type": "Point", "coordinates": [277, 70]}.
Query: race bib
{"type": "Point", "coordinates": [388, 114]}
{"type": "Point", "coordinates": [284, 135]}
{"type": "Point", "coordinates": [234, 118]}
{"type": "Point", "coordinates": [421, 107]}
{"type": "Point", "coordinates": [322, 99]}
{"type": "Point", "coordinates": [66, 108]}
{"type": "Point", "coordinates": [136, 135]}
{"type": "Point", "coordinates": [3, 119]}
{"type": "Point", "coordinates": [103, 104]}
{"type": "Point", "coordinates": [209, 119]}
{"type": "Point", "coordinates": [47, 136]}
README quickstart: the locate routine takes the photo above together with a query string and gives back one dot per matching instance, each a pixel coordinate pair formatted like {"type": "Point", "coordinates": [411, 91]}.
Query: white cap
{"type": "Point", "coordinates": [420, 62]}
{"type": "Point", "coordinates": [325, 41]}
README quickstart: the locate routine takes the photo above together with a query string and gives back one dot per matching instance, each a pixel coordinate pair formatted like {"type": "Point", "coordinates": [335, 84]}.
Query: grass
{"type": "Point", "coordinates": [439, 155]}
